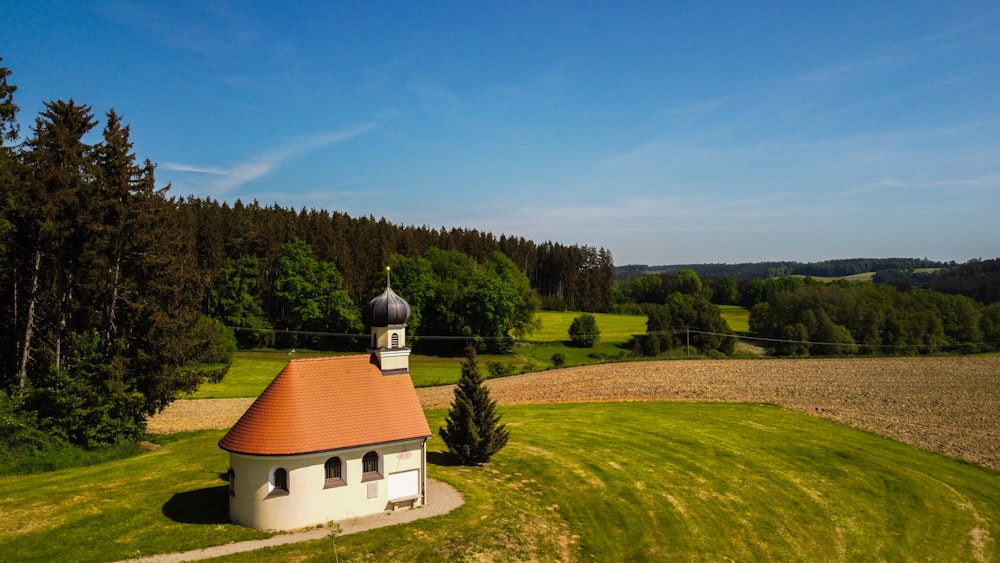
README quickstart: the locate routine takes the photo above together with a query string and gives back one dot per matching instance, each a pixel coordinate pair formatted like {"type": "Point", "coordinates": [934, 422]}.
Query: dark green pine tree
{"type": "Point", "coordinates": [473, 432]}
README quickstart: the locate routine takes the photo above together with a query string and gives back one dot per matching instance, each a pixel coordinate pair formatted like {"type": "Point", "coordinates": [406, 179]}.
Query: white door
{"type": "Point", "coordinates": [405, 484]}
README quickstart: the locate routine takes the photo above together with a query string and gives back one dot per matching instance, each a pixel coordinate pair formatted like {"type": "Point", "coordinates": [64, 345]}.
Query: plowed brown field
{"type": "Point", "coordinates": [947, 405]}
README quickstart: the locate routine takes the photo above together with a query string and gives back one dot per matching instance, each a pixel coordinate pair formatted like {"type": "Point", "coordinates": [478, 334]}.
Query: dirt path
{"type": "Point", "coordinates": [947, 405]}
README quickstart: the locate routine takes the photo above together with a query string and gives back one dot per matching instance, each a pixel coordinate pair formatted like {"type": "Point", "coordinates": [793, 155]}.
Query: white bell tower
{"type": "Point", "coordinates": [388, 314]}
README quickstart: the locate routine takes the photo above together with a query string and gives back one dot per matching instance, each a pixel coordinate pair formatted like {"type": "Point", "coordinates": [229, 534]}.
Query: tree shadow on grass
{"type": "Point", "coordinates": [444, 459]}
{"type": "Point", "coordinates": [200, 506]}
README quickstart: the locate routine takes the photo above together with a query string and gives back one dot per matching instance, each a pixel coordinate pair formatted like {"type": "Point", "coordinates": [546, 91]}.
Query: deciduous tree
{"type": "Point", "coordinates": [583, 331]}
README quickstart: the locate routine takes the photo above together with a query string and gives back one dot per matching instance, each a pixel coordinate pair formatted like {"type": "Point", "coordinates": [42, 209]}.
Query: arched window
{"type": "Point", "coordinates": [395, 340]}
{"type": "Point", "coordinates": [232, 482]}
{"type": "Point", "coordinates": [334, 473]}
{"type": "Point", "coordinates": [369, 467]}
{"type": "Point", "coordinates": [279, 482]}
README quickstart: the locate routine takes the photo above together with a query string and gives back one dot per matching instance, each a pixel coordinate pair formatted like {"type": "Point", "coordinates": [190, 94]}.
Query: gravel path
{"type": "Point", "coordinates": [947, 405]}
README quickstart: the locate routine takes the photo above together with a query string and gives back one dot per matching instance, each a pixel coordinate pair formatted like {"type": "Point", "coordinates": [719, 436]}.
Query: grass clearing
{"type": "Point", "coordinates": [534, 353]}
{"type": "Point", "coordinates": [252, 371]}
{"type": "Point", "coordinates": [586, 481]}
{"type": "Point", "coordinates": [861, 277]}
{"type": "Point", "coordinates": [738, 318]}
{"type": "Point", "coordinates": [615, 329]}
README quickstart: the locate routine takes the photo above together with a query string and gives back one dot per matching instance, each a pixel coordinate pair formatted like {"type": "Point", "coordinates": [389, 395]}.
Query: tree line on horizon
{"type": "Point", "coordinates": [795, 316]}
{"type": "Point", "coordinates": [977, 278]}
{"type": "Point", "coordinates": [775, 269]}
{"type": "Point", "coordinates": [570, 277]}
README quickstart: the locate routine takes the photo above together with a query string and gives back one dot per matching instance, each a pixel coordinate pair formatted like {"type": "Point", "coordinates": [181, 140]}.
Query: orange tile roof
{"type": "Point", "coordinates": [320, 404]}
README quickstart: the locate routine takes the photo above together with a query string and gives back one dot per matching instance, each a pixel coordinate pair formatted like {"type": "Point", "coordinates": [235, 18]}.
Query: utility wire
{"type": "Point", "coordinates": [806, 342]}
{"type": "Point", "coordinates": [655, 332]}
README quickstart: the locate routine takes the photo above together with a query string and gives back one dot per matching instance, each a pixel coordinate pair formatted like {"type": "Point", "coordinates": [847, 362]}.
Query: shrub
{"type": "Point", "coordinates": [558, 359]}
{"type": "Point", "coordinates": [500, 369]}
{"type": "Point", "coordinates": [583, 331]}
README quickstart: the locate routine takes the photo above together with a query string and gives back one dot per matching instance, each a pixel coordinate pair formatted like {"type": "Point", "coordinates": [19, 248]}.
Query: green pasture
{"type": "Point", "coordinates": [535, 351]}
{"type": "Point", "coordinates": [736, 317]}
{"type": "Point", "coordinates": [253, 370]}
{"type": "Point", "coordinates": [604, 481]}
{"type": "Point", "coordinates": [615, 329]}
{"type": "Point", "coordinates": [862, 277]}
{"type": "Point", "coordinates": [250, 373]}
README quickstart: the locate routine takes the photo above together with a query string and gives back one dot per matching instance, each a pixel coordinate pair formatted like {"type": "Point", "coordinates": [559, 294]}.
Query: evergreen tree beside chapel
{"type": "Point", "coordinates": [474, 432]}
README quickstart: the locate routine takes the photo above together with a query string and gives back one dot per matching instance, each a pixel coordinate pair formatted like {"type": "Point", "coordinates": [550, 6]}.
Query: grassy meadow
{"type": "Point", "coordinates": [597, 481]}
{"type": "Point", "coordinates": [250, 373]}
{"type": "Point", "coordinates": [253, 370]}
{"type": "Point", "coordinates": [535, 351]}
{"type": "Point", "coordinates": [736, 317]}
{"type": "Point", "coordinates": [615, 329]}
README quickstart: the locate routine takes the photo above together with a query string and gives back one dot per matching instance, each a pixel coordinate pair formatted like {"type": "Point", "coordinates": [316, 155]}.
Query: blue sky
{"type": "Point", "coordinates": [667, 132]}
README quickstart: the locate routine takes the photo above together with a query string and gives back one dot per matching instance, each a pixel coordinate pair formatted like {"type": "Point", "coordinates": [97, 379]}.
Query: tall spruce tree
{"type": "Point", "coordinates": [9, 171]}
{"type": "Point", "coordinates": [473, 432]}
{"type": "Point", "coordinates": [97, 312]}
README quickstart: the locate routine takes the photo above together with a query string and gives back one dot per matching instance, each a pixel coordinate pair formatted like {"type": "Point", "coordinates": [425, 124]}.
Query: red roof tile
{"type": "Point", "coordinates": [320, 404]}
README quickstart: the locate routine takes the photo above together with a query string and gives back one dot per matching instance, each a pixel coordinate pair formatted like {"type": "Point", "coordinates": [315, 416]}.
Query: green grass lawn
{"type": "Point", "coordinates": [167, 500]}
{"type": "Point", "coordinates": [606, 482]}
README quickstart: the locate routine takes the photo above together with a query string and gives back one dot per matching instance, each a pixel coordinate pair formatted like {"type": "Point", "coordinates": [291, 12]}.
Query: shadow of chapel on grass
{"type": "Point", "coordinates": [200, 506]}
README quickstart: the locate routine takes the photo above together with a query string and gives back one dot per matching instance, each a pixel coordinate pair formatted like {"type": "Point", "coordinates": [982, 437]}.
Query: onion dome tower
{"type": "Point", "coordinates": [387, 314]}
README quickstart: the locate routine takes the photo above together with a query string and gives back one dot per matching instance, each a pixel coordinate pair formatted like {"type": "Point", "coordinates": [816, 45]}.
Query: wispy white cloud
{"type": "Point", "coordinates": [989, 182]}
{"type": "Point", "coordinates": [188, 168]}
{"type": "Point", "coordinates": [232, 177]}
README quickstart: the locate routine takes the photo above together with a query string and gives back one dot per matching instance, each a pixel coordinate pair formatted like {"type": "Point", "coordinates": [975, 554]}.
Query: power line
{"type": "Point", "coordinates": [683, 330]}
{"type": "Point", "coordinates": [785, 341]}
{"type": "Point", "coordinates": [364, 335]}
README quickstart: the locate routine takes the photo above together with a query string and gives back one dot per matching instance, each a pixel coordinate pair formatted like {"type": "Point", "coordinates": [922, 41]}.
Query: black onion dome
{"type": "Point", "coordinates": [387, 309]}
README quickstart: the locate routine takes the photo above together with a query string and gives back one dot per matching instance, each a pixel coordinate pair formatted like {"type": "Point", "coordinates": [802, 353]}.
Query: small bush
{"type": "Point", "coordinates": [558, 359]}
{"type": "Point", "coordinates": [500, 369]}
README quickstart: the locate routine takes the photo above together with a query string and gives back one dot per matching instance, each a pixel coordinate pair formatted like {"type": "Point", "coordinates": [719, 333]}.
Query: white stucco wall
{"type": "Point", "coordinates": [308, 501]}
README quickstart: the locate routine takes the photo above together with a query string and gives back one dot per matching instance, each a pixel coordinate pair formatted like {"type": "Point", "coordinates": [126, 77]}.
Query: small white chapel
{"type": "Point", "coordinates": [333, 438]}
